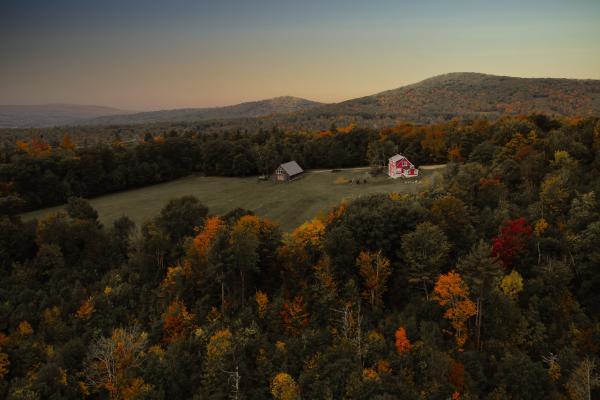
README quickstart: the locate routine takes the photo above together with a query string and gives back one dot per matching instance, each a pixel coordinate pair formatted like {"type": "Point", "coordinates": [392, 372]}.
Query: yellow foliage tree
{"type": "Point", "coordinates": [540, 227]}
{"type": "Point", "coordinates": [309, 234]}
{"type": "Point", "coordinates": [512, 284]}
{"type": "Point", "coordinates": [284, 387]}
{"type": "Point", "coordinates": [554, 193]}
{"type": "Point", "coordinates": [24, 328]}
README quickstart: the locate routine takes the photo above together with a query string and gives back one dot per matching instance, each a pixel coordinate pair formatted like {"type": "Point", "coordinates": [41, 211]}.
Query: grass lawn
{"type": "Point", "coordinates": [288, 203]}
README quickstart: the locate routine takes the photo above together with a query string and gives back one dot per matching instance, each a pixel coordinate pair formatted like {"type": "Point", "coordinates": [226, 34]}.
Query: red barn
{"type": "Point", "coordinates": [400, 167]}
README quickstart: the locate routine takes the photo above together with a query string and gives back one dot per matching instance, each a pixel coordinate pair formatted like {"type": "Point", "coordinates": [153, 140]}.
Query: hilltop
{"type": "Point", "coordinates": [471, 95]}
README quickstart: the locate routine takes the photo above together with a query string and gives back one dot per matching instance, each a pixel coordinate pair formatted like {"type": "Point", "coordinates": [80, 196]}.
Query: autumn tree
{"type": "Point", "coordinates": [294, 316]}
{"type": "Point", "coordinates": [512, 240]}
{"type": "Point", "coordinates": [452, 293]}
{"type": "Point", "coordinates": [403, 345]}
{"type": "Point", "coordinates": [209, 256]}
{"type": "Point", "coordinates": [425, 250]}
{"type": "Point", "coordinates": [205, 237]}
{"type": "Point", "coordinates": [219, 349]}
{"type": "Point", "coordinates": [4, 364]}
{"type": "Point", "coordinates": [284, 387]}
{"type": "Point", "coordinates": [176, 320]}
{"type": "Point", "coordinates": [327, 286]}
{"type": "Point", "coordinates": [375, 270]}
{"type": "Point", "coordinates": [112, 363]}
{"type": "Point", "coordinates": [309, 235]}
{"type": "Point", "coordinates": [67, 143]}
{"type": "Point", "coordinates": [86, 309]}
{"type": "Point", "coordinates": [583, 380]}
{"type": "Point", "coordinates": [262, 303]}
{"type": "Point", "coordinates": [512, 284]}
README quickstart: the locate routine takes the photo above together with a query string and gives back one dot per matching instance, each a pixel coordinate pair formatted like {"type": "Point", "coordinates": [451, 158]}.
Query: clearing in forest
{"type": "Point", "coordinates": [290, 204]}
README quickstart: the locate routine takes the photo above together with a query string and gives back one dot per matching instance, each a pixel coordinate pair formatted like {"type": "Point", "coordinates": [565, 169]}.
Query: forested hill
{"type": "Point", "coordinates": [472, 95]}
{"type": "Point", "coordinates": [44, 115]}
{"type": "Point", "coordinates": [464, 95]}
{"type": "Point", "coordinates": [252, 109]}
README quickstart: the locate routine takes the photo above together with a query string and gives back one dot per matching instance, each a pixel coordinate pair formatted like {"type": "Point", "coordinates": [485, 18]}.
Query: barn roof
{"type": "Point", "coordinates": [292, 168]}
{"type": "Point", "coordinates": [397, 157]}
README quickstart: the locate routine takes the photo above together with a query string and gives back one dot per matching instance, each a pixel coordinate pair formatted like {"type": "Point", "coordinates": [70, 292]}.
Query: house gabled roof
{"type": "Point", "coordinates": [397, 157]}
{"type": "Point", "coordinates": [292, 168]}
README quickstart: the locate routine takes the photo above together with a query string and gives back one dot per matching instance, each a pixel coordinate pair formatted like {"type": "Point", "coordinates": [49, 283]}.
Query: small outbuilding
{"type": "Point", "coordinates": [400, 167]}
{"type": "Point", "coordinates": [287, 172]}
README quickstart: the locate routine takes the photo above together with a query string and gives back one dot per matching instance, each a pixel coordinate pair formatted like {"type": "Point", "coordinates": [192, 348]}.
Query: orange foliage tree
{"type": "Point", "coordinates": [204, 239]}
{"type": "Point", "coordinates": [86, 309]}
{"type": "Point", "coordinates": [176, 320]}
{"type": "Point", "coordinates": [452, 293]}
{"type": "Point", "coordinates": [403, 345]}
{"type": "Point", "coordinates": [67, 143]}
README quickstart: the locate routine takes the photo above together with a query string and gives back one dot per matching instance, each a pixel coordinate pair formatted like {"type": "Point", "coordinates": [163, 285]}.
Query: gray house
{"type": "Point", "coordinates": [287, 172]}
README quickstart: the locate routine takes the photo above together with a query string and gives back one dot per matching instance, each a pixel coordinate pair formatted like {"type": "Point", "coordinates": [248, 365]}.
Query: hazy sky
{"type": "Point", "coordinates": [181, 53]}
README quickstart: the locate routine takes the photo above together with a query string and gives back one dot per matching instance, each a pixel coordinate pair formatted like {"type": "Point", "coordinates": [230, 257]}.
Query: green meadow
{"type": "Point", "coordinates": [289, 204]}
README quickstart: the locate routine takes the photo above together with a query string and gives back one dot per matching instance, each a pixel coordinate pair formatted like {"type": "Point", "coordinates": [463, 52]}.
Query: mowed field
{"type": "Point", "coordinates": [289, 204]}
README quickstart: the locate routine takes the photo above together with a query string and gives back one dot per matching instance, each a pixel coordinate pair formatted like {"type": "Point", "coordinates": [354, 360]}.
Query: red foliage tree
{"type": "Point", "coordinates": [511, 241]}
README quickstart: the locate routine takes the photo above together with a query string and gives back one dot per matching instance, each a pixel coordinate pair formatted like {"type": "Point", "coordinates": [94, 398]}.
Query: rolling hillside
{"type": "Point", "coordinates": [472, 95]}
{"type": "Point", "coordinates": [45, 115]}
{"type": "Point", "coordinates": [465, 95]}
{"type": "Point", "coordinates": [262, 108]}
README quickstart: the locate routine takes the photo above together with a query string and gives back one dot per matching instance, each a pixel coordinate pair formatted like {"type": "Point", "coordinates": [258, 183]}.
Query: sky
{"type": "Point", "coordinates": [155, 54]}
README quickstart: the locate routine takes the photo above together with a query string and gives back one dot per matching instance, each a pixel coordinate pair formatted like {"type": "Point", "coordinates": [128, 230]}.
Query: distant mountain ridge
{"type": "Point", "coordinates": [469, 94]}
{"type": "Point", "coordinates": [458, 94]}
{"type": "Point", "coordinates": [45, 115]}
{"type": "Point", "coordinates": [251, 109]}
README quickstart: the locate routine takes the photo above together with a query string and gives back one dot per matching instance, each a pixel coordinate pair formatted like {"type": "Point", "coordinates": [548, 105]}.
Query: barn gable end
{"type": "Point", "coordinates": [287, 171]}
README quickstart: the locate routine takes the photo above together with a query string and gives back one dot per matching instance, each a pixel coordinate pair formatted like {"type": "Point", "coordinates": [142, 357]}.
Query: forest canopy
{"type": "Point", "coordinates": [485, 286]}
